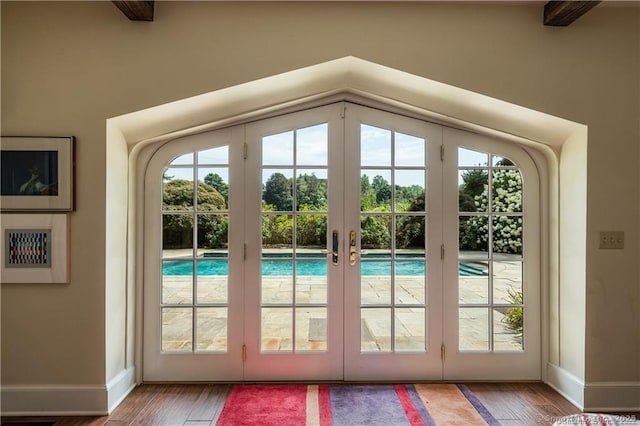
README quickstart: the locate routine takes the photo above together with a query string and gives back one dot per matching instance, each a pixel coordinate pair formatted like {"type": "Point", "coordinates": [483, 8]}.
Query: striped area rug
{"type": "Point", "coordinates": [354, 405]}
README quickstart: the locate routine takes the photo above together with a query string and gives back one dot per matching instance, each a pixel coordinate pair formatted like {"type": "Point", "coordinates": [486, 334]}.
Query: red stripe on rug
{"type": "Point", "coordinates": [267, 405]}
{"type": "Point", "coordinates": [324, 405]}
{"type": "Point", "coordinates": [412, 413]}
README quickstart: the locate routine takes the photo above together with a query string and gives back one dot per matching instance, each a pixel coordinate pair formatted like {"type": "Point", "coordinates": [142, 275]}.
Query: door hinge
{"type": "Point", "coordinates": [244, 251]}
{"type": "Point", "coordinates": [442, 352]}
{"type": "Point", "coordinates": [244, 353]}
{"type": "Point", "coordinates": [441, 152]}
{"type": "Point", "coordinates": [442, 252]}
{"type": "Point", "coordinates": [245, 151]}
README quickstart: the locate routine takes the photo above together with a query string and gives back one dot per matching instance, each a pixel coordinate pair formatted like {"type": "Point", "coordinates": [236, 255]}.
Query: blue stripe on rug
{"type": "Point", "coordinates": [366, 405]}
{"type": "Point", "coordinates": [420, 408]}
{"type": "Point", "coordinates": [480, 408]}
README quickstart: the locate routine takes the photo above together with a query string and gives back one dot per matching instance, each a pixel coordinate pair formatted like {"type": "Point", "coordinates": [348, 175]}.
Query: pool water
{"type": "Point", "coordinates": [311, 268]}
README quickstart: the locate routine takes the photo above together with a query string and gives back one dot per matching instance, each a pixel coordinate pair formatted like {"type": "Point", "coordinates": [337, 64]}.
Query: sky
{"type": "Point", "coordinates": [311, 155]}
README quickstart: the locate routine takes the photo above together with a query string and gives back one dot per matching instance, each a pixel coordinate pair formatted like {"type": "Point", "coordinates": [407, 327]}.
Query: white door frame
{"type": "Point", "coordinates": [198, 366]}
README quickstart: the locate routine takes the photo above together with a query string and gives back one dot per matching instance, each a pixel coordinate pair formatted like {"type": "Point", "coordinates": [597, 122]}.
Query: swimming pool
{"type": "Point", "coordinates": [311, 268]}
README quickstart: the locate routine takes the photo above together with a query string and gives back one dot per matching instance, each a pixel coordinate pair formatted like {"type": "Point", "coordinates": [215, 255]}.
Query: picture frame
{"type": "Point", "coordinates": [34, 248]}
{"type": "Point", "coordinates": [37, 173]}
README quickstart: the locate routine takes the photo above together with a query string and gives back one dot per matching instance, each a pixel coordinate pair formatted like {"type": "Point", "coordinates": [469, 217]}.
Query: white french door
{"type": "Point", "coordinates": [393, 270]}
{"type": "Point", "coordinates": [341, 243]}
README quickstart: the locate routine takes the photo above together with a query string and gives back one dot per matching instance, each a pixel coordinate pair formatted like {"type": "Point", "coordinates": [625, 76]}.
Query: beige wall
{"type": "Point", "coordinates": [67, 67]}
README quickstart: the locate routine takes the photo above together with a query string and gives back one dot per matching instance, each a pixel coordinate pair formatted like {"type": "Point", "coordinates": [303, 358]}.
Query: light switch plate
{"type": "Point", "coordinates": [612, 240]}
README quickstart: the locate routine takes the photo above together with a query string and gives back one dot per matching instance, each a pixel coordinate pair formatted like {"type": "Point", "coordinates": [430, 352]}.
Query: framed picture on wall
{"type": "Point", "coordinates": [38, 173]}
{"type": "Point", "coordinates": [34, 248]}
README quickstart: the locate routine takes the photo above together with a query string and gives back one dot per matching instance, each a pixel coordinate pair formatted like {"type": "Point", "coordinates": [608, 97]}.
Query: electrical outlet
{"type": "Point", "coordinates": [612, 240]}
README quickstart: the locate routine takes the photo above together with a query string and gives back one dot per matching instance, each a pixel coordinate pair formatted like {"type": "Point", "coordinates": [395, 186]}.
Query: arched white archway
{"type": "Point", "coordinates": [559, 147]}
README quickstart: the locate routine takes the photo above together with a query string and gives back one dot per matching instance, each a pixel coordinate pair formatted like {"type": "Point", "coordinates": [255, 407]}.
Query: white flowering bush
{"type": "Point", "coordinates": [507, 230]}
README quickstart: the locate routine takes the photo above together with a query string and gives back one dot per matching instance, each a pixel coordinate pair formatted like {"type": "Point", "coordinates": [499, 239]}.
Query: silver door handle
{"type": "Point", "coordinates": [335, 243]}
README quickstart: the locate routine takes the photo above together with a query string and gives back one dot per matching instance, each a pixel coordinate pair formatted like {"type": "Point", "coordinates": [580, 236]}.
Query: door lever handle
{"type": "Point", "coordinates": [353, 251]}
{"type": "Point", "coordinates": [334, 253]}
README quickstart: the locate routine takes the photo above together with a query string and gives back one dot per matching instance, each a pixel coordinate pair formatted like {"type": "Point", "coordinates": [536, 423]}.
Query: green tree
{"type": "Point", "coordinates": [411, 232]}
{"type": "Point", "coordinates": [277, 192]}
{"type": "Point", "coordinates": [177, 229]}
{"type": "Point", "coordinates": [375, 232]}
{"type": "Point", "coordinates": [367, 195]}
{"type": "Point", "coordinates": [311, 191]}
{"type": "Point", "coordinates": [216, 181]}
{"type": "Point", "coordinates": [382, 190]}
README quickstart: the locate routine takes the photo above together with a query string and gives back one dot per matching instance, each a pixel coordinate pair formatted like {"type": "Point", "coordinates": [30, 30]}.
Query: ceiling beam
{"type": "Point", "coordinates": [136, 10]}
{"type": "Point", "coordinates": [564, 13]}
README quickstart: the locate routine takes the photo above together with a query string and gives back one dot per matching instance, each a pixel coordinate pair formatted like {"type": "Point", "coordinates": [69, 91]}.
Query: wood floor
{"type": "Point", "coordinates": [201, 404]}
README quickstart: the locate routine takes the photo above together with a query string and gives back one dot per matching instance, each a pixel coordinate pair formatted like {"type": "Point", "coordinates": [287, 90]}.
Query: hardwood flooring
{"type": "Point", "coordinates": [201, 404]}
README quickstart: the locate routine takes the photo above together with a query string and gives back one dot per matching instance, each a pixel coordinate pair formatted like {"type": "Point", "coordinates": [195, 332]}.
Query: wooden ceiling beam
{"type": "Point", "coordinates": [564, 13]}
{"type": "Point", "coordinates": [136, 10]}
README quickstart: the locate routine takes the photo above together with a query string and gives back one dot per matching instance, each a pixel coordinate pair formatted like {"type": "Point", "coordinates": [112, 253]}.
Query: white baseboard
{"type": "Point", "coordinates": [566, 384]}
{"type": "Point", "coordinates": [612, 396]}
{"type": "Point", "coordinates": [66, 400]}
{"type": "Point", "coordinates": [119, 387]}
{"type": "Point", "coordinates": [52, 400]}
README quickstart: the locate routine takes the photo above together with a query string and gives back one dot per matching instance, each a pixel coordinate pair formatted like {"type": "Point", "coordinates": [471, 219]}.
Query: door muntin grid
{"type": "Point", "coordinates": [491, 304]}
{"type": "Point", "coordinates": [393, 219]}
{"type": "Point", "coordinates": [195, 252]}
{"type": "Point", "coordinates": [294, 262]}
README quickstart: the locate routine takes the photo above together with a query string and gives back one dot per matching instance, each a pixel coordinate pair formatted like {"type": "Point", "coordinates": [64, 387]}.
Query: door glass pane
{"type": "Point", "coordinates": [375, 329]}
{"type": "Point", "coordinates": [410, 329]}
{"type": "Point", "coordinates": [177, 236]}
{"type": "Point", "coordinates": [409, 150]}
{"type": "Point", "coordinates": [375, 146]}
{"type": "Point", "coordinates": [312, 145]}
{"type": "Point", "coordinates": [278, 149]}
{"type": "Point", "coordinates": [470, 158]}
{"type": "Point", "coordinates": [473, 283]}
{"type": "Point", "coordinates": [177, 282]}
{"type": "Point", "coordinates": [311, 329]}
{"type": "Point", "coordinates": [311, 190]}
{"type": "Point", "coordinates": [311, 233]}
{"type": "Point", "coordinates": [507, 237]}
{"type": "Point", "coordinates": [507, 282]}
{"type": "Point", "coordinates": [177, 189]}
{"type": "Point", "coordinates": [177, 329]}
{"type": "Point", "coordinates": [375, 235]}
{"type": "Point", "coordinates": [409, 190]}
{"type": "Point", "coordinates": [183, 159]}
{"type": "Point", "coordinates": [212, 281]}
{"type": "Point", "coordinates": [277, 329]}
{"type": "Point", "coordinates": [376, 192]}
{"type": "Point", "coordinates": [473, 237]}
{"type": "Point", "coordinates": [473, 328]}
{"type": "Point", "coordinates": [217, 156]}
{"type": "Point", "coordinates": [213, 188]}
{"type": "Point", "coordinates": [507, 329]}
{"type": "Point", "coordinates": [277, 194]}
{"type": "Point", "coordinates": [213, 238]}
{"type": "Point", "coordinates": [410, 236]}
{"type": "Point", "coordinates": [410, 283]}
{"type": "Point", "coordinates": [506, 191]}
{"type": "Point", "coordinates": [277, 281]}
{"type": "Point", "coordinates": [211, 326]}
{"type": "Point", "coordinates": [375, 283]}
{"type": "Point", "coordinates": [311, 281]}
{"type": "Point", "coordinates": [472, 190]}
{"type": "Point", "coordinates": [277, 234]}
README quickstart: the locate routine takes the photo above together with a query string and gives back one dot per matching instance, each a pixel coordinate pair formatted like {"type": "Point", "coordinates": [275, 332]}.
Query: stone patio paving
{"type": "Point", "coordinates": [376, 322]}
